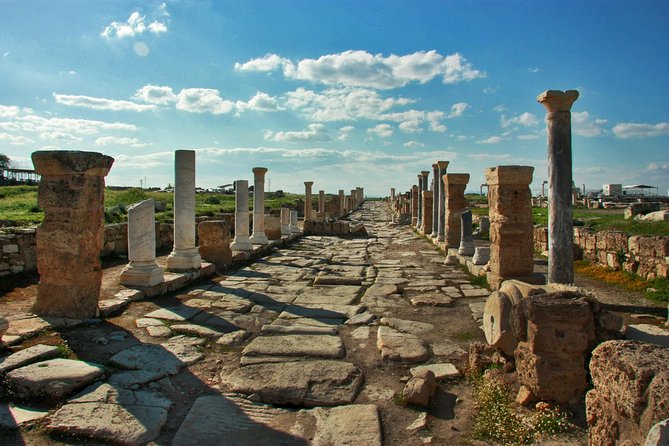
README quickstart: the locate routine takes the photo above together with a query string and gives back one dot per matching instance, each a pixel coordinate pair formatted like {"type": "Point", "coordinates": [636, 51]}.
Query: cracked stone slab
{"type": "Point", "coordinates": [398, 346]}
{"type": "Point", "coordinates": [166, 359]}
{"type": "Point", "coordinates": [356, 424]}
{"type": "Point", "coordinates": [441, 370]}
{"type": "Point", "coordinates": [332, 279]}
{"type": "Point", "coordinates": [132, 378]}
{"type": "Point", "coordinates": [13, 417]}
{"type": "Point", "coordinates": [449, 349]}
{"type": "Point", "coordinates": [107, 413]}
{"type": "Point", "coordinates": [407, 326]}
{"type": "Point", "coordinates": [53, 378]}
{"type": "Point", "coordinates": [197, 330]}
{"type": "Point", "coordinates": [178, 313]}
{"type": "Point", "coordinates": [316, 346]}
{"type": "Point", "coordinates": [298, 329]}
{"type": "Point", "coordinates": [323, 311]}
{"type": "Point", "coordinates": [432, 300]}
{"type": "Point", "coordinates": [304, 383]}
{"type": "Point", "coordinates": [476, 292]}
{"type": "Point", "coordinates": [36, 353]}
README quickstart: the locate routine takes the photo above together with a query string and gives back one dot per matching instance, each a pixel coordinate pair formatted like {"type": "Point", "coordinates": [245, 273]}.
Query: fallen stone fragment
{"type": "Point", "coordinates": [53, 379]}
{"type": "Point", "coordinates": [648, 333]}
{"type": "Point", "coordinates": [315, 346]}
{"type": "Point", "coordinates": [233, 339]}
{"type": "Point", "coordinates": [407, 326]}
{"type": "Point", "coordinates": [196, 330]}
{"type": "Point", "coordinates": [144, 322]}
{"type": "Point", "coordinates": [420, 389]}
{"type": "Point", "coordinates": [107, 413]}
{"type": "Point", "coordinates": [305, 383]}
{"type": "Point", "coordinates": [419, 424]}
{"type": "Point", "coordinates": [432, 300]}
{"type": "Point", "coordinates": [332, 279]}
{"type": "Point", "coordinates": [658, 434]}
{"type": "Point", "coordinates": [361, 319]}
{"type": "Point", "coordinates": [441, 370]}
{"type": "Point", "coordinates": [398, 346]}
{"type": "Point", "coordinates": [162, 331]}
{"type": "Point", "coordinates": [360, 333]}
{"type": "Point", "coordinates": [357, 424]}
{"type": "Point", "coordinates": [36, 353]}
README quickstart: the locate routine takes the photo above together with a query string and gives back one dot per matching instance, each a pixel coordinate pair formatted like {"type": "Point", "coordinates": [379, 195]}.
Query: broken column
{"type": "Point", "coordinates": [142, 269]}
{"type": "Point", "coordinates": [342, 203]}
{"type": "Point", "coordinates": [435, 200]}
{"type": "Point", "coordinates": [560, 220]}
{"type": "Point", "coordinates": [454, 185]}
{"type": "Point", "coordinates": [321, 204]}
{"type": "Point", "coordinates": [294, 228]}
{"type": "Point", "coordinates": [308, 207]}
{"type": "Point", "coordinates": [242, 241]}
{"type": "Point", "coordinates": [70, 238]}
{"type": "Point", "coordinates": [511, 234]}
{"type": "Point", "coordinates": [184, 255]}
{"type": "Point", "coordinates": [414, 206]}
{"type": "Point", "coordinates": [441, 209]}
{"type": "Point", "coordinates": [258, 237]}
{"type": "Point", "coordinates": [466, 238]}
{"type": "Point", "coordinates": [285, 221]}
{"type": "Point", "coordinates": [214, 241]}
{"type": "Point", "coordinates": [426, 229]}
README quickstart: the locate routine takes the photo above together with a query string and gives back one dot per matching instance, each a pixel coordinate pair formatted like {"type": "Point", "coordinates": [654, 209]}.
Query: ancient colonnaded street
{"type": "Point", "coordinates": [312, 344]}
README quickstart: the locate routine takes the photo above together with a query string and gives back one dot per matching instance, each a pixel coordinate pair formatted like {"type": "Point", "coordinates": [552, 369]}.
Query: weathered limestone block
{"type": "Point", "coordinates": [285, 221]}
{"type": "Point", "coordinates": [426, 229]}
{"type": "Point", "coordinates": [214, 241]}
{"type": "Point", "coordinates": [4, 325]}
{"type": "Point", "coordinates": [70, 239]}
{"type": "Point", "coordinates": [294, 228]}
{"type": "Point", "coordinates": [630, 394]}
{"type": "Point", "coordinates": [420, 389]}
{"type": "Point", "coordinates": [272, 227]}
{"type": "Point", "coordinates": [142, 269]}
{"type": "Point", "coordinates": [414, 206]}
{"type": "Point", "coordinates": [454, 186]}
{"type": "Point", "coordinates": [497, 323]}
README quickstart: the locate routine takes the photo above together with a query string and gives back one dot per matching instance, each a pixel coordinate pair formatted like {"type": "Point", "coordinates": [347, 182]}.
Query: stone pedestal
{"type": "Point", "coordinates": [484, 226]}
{"type": "Point", "coordinates": [511, 234]}
{"type": "Point", "coordinates": [142, 270]}
{"type": "Point", "coordinates": [435, 200]}
{"type": "Point", "coordinates": [414, 206]}
{"type": "Point", "coordinates": [258, 237]}
{"type": "Point", "coordinates": [184, 255]}
{"type": "Point", "coordinates": [426, 229]}
{"type": "Point", "coordinates": [454, 185]}
{"type": "Point", "coordinates": [308, 206]}
{"type": "Point", "coordinates": [70, 239]}
{"type": "Point", "coordinates": [466, 238]}
{"type": "Point", "coordinates": [242, 241]}
{"type": "Point", "coordinates": [441, 200]}
{"type": "Point", "coordinates": [214, 241]}
{"type": "Point", "coordinates": [560, 185]}
{"type": "Point", "coordinates": [342, 203]}
{"type": "Point", "coordinates": [285, 221]}
{"type": "Point", "coordinates": [481, 256]}
{"type": "Point", "coordinates": [294, 228]}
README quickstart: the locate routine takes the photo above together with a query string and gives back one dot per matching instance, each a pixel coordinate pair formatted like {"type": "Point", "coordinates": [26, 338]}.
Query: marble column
{"type": "Point", "coordinates": [414, 206]}
{"type": "Point", "coordinates": [441, 223]}
{"type": "Point", "coordinates": [258, 237]}
{"type": "Point", "coordinates": [342, 203]}
{"type": "Point", "coordinates": [142, 269]}
{"type": "Point", "coordinates": [435, 200]}
{"type": "Point", "coordinates": [466, 238]}
{"type": "Point", "coordinates": [294, 228]}
{"type": "Point", "coordinates": [426, 229]}
{"type": "Point", "coordinates": [71, 236]}
{"type": "Point", "coordinates": [242, 241]}
{"type": "Point", "coordinates": [454, 186]}
{"type": "Point", "coordinates": [308, 206]}
{"type": "Point", "coordinates": [184, 255]}
{"type": "Point", "coordinates": [560, 219]}
{"type": "Point", "coordinates": [285, 221]}
{"type": "Point", "coordinates": [511, 232]}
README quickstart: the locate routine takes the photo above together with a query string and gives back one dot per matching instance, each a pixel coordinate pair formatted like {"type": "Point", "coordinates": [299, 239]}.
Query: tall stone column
{"type": "Point", "coordinates": [294, 228]}
{"type": "Point", "coordinates": [392, 196]}
{"type": "Point", "coordinates": [424, 187]}
{"type": "Point", "coordinates": [342, 203]}
{"type": "Point", "coordinates": [70, 238]}
{"type": "Point", "coordinates": [414, 206]}
{"type": "Point", "coordinates": [511, 232]}
{"type": "Point", "coordinates": [466, 237]}
{"type": "Point", "coordinates": [308, 206]}
{"type": "Point", "coordinates": [560, 220]}
{"type": "Point", "coordinates": [242, 241]}
{"type": "Point", "coordinates": [354, 199]}
{"type": "Point", "coordinates": [441, 228]}
{"type": "Point", "coordinates": [420, 201]}
{"type": "Point", "coordinates": [454, 186]}
{"type": "Point", "coordinates": [258, 237]}
{"type": "Point", "coordinates": [184, 255]}
{"type": "Point", "coordinates": [142, 269]}
{"type": "Point", "coordinates": [321, 203]}
{"type": "Point", "coordinates": [361, 195]}
{"type": "Point", "coordinates": [435, 200]}
{"type": "Point", "coordinates": [426, 229]}
{"type": "Point", "coordinates": [285, 221]}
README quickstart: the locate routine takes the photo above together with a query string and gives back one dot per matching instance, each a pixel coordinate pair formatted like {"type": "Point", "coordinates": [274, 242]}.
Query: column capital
{"type": "Point", "coordinates": [308, 183]}
{"type": "Point", "coordinates": [443, 164]}
{"type": "Point", "coordinates": [557, 100]}
{"type": "Point", "coordinates": [424, 173]}
{"type": "Point", "coordinates": [509, 175]}
{"type": "Point", "coordinates": [435, 166]}
{"type": "Point", "coordinates": [259, 170]}
{"type": "Point", "coordinates": [71, 162]}
{"type": "Point", "coordinates": [456, 178]}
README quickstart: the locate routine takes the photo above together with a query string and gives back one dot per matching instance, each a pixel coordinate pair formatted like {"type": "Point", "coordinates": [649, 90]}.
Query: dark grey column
{"type": "Point", "coordinates": [441, 206]}
{"type": "Point", "coordinates": [420, 202]}
{"type": "Point", "coordinates": [435, 200]}
{"type": "Point", "coordinates": [466, 237]}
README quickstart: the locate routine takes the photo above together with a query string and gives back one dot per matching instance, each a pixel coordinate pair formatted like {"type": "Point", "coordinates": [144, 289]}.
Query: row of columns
{"type": "Point", "coordinates": [344, 205]}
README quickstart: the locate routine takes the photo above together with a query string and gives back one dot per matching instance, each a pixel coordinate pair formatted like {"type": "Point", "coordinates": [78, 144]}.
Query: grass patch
{"type": "Point", "coordinates": [463, 336]}
{"type": "Point", "coordinates": [499, 419]}
{"type": "Point", "coordinates": [657, 290]}
{"type": "Point", "coordinates": [480, 281]}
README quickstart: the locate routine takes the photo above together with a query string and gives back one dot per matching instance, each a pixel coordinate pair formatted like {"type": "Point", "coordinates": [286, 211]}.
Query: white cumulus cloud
{"type": "Point", "coordinates": [412, 144]}
{"type": "Point", "coordinates": [458, 109]}
{"type": "Point", "coordinates": [155, 94]}
{"type": "Point", "coordinates": [313, 132]}
{"type": "Point", "coordinates": [203, 100]}
{"type": "Point", "coordinates": [584, 125]}
{"type": "Point", "coordinates": [632, 130]}
{"type": "Point", "coordinates": [260, 102]}
{"type": "Point", "coordinates": [525, 119]}
{"type": "Point", "coordinates": [100, 103]}
{"type": "Point", "coordinates": [491, 140]}
{"type": "Point", "coordinates": [137, 25]}
{"type": "Point", "coordinates": [269, 62]}
{"type": "Point", "coordinates": [119, 141]}
{"type": "Point", "coordinates": [381, 130]}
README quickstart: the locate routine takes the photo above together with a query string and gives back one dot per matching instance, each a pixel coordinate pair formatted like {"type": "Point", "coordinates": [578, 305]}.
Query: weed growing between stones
{"type": "Point", "coordinates": [499, 419]}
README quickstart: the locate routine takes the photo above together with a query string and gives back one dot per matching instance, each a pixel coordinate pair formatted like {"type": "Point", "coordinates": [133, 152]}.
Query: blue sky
{"type": "Point", "coordinates": [343, 93]}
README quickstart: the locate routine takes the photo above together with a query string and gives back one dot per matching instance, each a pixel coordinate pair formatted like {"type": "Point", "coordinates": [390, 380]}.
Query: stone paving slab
{"type": "Point", "coordinates": [327, 311]}
{"type": "Point", "coordinates": [398, 346]}
{"type": "Point", "coordinates": [441, 370]}
{"type": "Point", "coordinates": [166, 359]}
{"type": "Point", "coordinates": [178, 313]}
{"type": "Point", "coordinates": [12, 417]}
{"type": "Point", "coordinates": [36, 353]}
{"type": "Point", "coordinates": [407, 326]}
{"type": "Point", "coordinates": [356, 424]}
{"type": "Point", "coordinates": [316, 346]}
{"type": "Point", "coordinates": [299, 329]}
{"type": "Point", "coordinates": [306, 383]}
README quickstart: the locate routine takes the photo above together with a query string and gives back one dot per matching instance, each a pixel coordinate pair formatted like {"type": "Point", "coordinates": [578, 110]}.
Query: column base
{"type": "Point", "coordinates": [184, 260]}
{"type": "Point", "coordinates": [259, 238]}
{"type": "Point", "coordinates": [466, 248]}
{"type": "Point", "coordinates": [495, 280]}
{"type": "Point", "coordinates": [241, 243]}
{"type": "Point", "coordinates": [285, 230]}
{"type": "Point", "coordinates": [142, 274]}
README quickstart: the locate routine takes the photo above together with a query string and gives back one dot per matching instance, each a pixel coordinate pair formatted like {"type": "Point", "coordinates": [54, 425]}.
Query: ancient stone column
{"type": "Point", "coordinates": [242, 241]}
{"type": "Point", "coordinates": [426, 229]}
{"type": "Point", "coordinates": [392, 195]}
{"type": "Point", "coordinates": [184, 255]}
{"type": "Point", "coordinates": [511, 234]}
{"type": "Point", "coordinates": [285, 221]}
{"type": "Point", "coordinates": [420, 202]}
{"type": "Point", "coordinates": [454, 187]}
{"type": "Point", "coordinates": [435, 200]}
{"type": "Point", "coordinates": [308, 207]}
{"type": "Point", "coordinates": [142, 269]}
{"type": "Point", "coordinates": [560, 220]}
{"type": "Point", "coordinates": [342, 203]}
{"type": "Point", "coordinates": [441, 209]}
{"type": "Point", "coordinates": [321, 203]}
{"type": "Point", "coordinates": [70, 238]}
{"type": "Point", "coordinates": [294, 228]}
{"type": "Point", "coordinates": [414, 206]}
{"type": "Point", "coordinates": [466, 237]}
{"type": "Point", "coordinates": [258, 237]}
{"type": "Point", "coordinates": [354, 200]}
{"type": "Point", "coordinates": [361, 195]}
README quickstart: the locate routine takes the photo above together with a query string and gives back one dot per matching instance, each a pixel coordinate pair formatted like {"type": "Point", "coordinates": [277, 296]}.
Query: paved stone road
{"type": "Point", "coordinates": [311, 345]}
